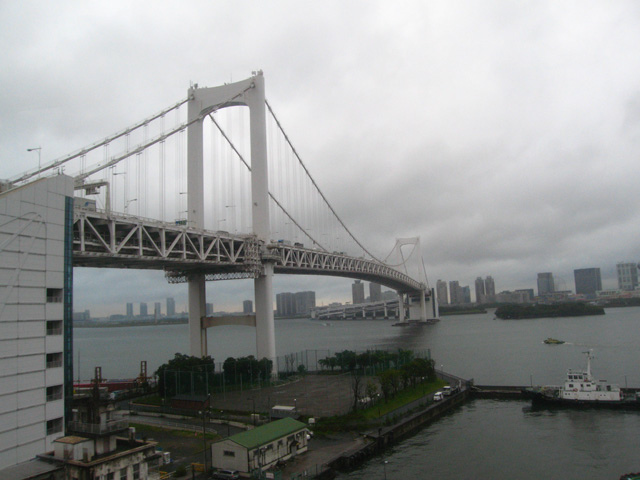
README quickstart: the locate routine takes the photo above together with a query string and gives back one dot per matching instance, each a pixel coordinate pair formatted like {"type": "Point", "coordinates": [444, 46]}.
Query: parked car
{"type": "Point", "coordinates": [437, 396]}
{"type": "Point", "coordinates": [226, 475]}
{"type": "Point", "coordinates": [446, 391]}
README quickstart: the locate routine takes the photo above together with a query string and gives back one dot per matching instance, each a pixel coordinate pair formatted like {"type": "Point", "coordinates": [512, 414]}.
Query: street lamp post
{"type": "Point", "coordinates": [115, 174]}
{"type": "Point", "coordinates": [204, 412]}
{"type": "Point", "coordinates": [39, 150]}
{"type": "Point", "coordinates": [253, 416]}
{"type": "Point", "coordinates": [384, 465]}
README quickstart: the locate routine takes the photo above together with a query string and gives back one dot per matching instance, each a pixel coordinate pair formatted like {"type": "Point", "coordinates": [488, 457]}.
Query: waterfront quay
{"type": "Point", "coordinates": [321, 396]}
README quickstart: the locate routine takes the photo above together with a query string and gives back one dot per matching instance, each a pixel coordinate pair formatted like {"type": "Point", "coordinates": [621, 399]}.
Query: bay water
{"type": "Point", "coordinates": [482, 439]}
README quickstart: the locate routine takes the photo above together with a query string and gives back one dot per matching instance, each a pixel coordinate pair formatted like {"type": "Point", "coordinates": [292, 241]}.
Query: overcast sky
{"type": "Point", "coordinates": [505, 134]}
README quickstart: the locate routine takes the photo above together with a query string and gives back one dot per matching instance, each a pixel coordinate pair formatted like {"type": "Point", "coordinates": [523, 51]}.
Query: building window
{"type": "Point", "coordinates": [136, 471]}
{"type": "Point", "coordinates": [54, 295]}
{"type": "Point", "coordinates": [54, 327]}
{"type": "Point", "coordinates": [229, 453]}
{"type": "Point", "coordinates": [111, 476]}
{"type": "Point", "coordinates": [54, 360]}
{"type": "Point", "coordinates": [123, 473]}
{"type": "Point", "coordinates": [54, 393]}
{"type": "Point", "coordinates": [54, 426]}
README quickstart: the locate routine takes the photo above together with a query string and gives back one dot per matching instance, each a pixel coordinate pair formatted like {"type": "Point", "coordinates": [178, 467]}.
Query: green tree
{"type": "Point", "coordinates": [347, 360]}
{"type": "Point", "coordinates": [185, 374]}
{"type": "Point", "coordinates": [389, 383]}
{"type": "Point", "coordinates": [246, 369]}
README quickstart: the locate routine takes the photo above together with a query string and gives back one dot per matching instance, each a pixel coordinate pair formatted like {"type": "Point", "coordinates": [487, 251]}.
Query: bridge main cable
{"type": "Point", "coordinates": [286, 137]}
{"type": "Point", "coordinates": [233, 147]}
{"type": "Point", "coordinates": [106, 141]}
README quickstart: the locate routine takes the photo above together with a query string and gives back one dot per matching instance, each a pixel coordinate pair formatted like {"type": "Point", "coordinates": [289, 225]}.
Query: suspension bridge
{"type": "Point", "coordinates": [204, 191]}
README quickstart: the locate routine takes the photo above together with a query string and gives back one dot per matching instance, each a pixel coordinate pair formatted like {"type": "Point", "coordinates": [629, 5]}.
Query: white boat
{"type": "Point", "coordinates": [580, 389]}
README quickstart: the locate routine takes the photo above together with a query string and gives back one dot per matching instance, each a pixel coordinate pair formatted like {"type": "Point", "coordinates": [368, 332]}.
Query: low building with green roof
{"type": "Point", "coordinates": [262, 447]}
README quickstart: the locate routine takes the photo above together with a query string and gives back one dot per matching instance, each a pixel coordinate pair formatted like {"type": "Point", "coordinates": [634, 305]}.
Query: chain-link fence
{"type": "Point", "coordinates": [248, 373]}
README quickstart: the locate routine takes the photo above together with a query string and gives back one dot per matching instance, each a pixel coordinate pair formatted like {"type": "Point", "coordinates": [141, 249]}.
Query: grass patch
{"type": "Point", "coordinates": [401, 399]}
{"type": "Point", "coordinates": [368, 417]}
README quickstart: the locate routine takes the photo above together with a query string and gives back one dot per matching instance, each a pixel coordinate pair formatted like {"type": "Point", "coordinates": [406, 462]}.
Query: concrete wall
{"type": "Point", "coordinates": [237, 461]}
{"type": "Point", "coordinates": [32, 225]}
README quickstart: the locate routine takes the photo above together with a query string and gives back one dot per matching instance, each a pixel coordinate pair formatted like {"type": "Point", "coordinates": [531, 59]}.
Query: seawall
{"type": "Point", "coordinates": [384, 437]}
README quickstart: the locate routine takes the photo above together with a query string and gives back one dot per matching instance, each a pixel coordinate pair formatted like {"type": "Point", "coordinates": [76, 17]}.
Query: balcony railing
{"type": "Point", "coordinates": [98, 429]}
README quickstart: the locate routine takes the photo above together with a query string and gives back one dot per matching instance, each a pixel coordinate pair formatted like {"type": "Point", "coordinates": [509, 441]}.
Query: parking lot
{"type": "Point", "coordinates": [312, 395]}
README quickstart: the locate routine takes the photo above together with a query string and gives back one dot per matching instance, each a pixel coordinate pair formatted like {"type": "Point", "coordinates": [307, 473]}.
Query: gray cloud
{"type": "Point", "coordinates": [504, 135]}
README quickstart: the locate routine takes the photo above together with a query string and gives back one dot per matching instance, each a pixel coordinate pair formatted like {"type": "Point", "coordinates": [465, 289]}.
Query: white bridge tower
{"type": "Point", "coordinates": [202, 101]}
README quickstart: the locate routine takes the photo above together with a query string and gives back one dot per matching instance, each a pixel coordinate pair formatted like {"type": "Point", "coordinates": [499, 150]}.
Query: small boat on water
{"type": "Point", "coordinates": [553, 341]}
{"type": "Point", "coordinates": [580, 390]}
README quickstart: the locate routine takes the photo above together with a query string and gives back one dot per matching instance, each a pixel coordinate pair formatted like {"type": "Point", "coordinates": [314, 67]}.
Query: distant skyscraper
{"type": "Point", "coordinates": [443, 295]}
{"type": "Point", "coordinates": [143, 309]}
{"type": "Point", "coordinates": [375, 292]}
{"type": "Point", "coordinates": [588, 281]}
{"type": "Point", "coordinates": [208, 309]}
{"type": "Point", "coordinates": [466, 294]}
{"type": "Point", "coordinates": [480, 291]}
{"type": "Point", "coordinates": [627, 276]}
{"type": "Point", "coordinates": [490, 289]}
{"type": "Point", "coordinates": [247, 306]}
{"type": "Point", "coordinates": [171, 307]}
{"type": "Point", "coordinates": [545, 283]}
{"type": "Point", "coordinates": [157, 309]}
{"type": "Point", "coordinates": [129, 310]}
{"type": "Point", "coordinates": [357, 292]}
{"type": "Point", "coordinates": [455, 293]}
{"type": "Point", "coordinates": [285, 304]}
{"type": "Point", "coordinates": [304, 302]}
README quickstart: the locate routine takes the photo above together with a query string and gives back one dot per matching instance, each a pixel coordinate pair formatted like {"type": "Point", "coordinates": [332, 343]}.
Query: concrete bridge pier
{"type": "Point", "coordinates": [265, 324]}
{"type": "Point", "coordinates": [197, 310]}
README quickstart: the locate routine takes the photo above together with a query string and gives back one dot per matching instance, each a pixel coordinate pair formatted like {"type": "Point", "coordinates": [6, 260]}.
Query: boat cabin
{"type": "Point", "coordinates": [580, 386]}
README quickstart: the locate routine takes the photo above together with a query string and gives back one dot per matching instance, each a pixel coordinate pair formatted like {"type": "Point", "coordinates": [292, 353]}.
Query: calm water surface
{"type": "Point", "coordinates": [488, 439]}
{"type": "Point", "coordinates": [484, 439]}
{"type": "Point", "coordinates": [501, 352]}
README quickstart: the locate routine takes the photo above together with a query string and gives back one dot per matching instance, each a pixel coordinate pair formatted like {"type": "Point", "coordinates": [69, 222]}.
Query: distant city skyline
{"type": "Point", "coordinates": [228, 296]}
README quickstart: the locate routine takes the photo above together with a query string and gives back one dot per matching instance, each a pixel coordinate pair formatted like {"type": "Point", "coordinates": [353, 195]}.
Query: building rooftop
{"type": "Point", "coordinates": [31, 469]}
{"type": "Point", "coordinates": [267, 433]}
{"type": "Point", "coordinates": [71, 439]}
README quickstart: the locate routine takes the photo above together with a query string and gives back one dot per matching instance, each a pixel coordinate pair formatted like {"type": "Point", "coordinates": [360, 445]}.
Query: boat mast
{"type": "Point", "coordinates": [589, 357]}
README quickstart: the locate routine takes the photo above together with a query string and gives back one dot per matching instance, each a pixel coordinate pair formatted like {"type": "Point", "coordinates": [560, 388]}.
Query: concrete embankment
{"type": "Point", "coordinates": [383, 437]}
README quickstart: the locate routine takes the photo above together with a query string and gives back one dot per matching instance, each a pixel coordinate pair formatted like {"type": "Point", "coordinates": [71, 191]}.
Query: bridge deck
{"type": "Point", "coordinates": [111, 240]}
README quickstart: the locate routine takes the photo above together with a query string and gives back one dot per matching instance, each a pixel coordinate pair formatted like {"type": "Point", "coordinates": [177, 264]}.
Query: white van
{"type": "Point", "coordinates": [437, 396]}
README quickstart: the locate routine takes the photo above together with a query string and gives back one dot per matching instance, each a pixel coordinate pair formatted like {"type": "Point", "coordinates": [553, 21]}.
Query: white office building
{"type": "Point", "coordinates": [627, 275]}
{"type": "Point", "coordinates": [35, 316]}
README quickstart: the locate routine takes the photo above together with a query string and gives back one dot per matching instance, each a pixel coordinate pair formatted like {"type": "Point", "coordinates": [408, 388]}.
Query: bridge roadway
{"type": "Point", "coordinates": [112, 240]}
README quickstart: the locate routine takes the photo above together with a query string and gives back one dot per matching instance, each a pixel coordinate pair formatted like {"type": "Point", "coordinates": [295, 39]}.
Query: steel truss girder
{"type": "Point", "coordinates": [303, 260]}
{"type": "Point", "coordinates": [121, 241]}
{"type": "Point", "coordinates": [102, 240]}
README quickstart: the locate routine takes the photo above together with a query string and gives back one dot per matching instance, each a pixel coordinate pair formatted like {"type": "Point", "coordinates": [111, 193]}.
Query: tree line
{"type": "Point", "coordinates": [185, 374]}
